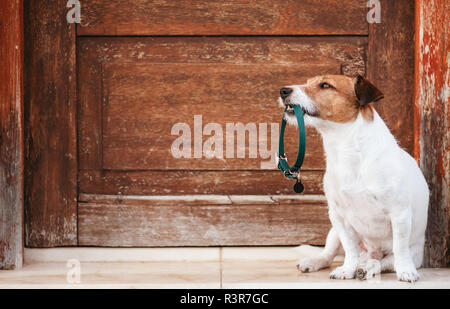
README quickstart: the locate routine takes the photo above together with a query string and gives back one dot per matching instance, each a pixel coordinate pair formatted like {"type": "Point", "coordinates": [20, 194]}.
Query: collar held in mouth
{"type": "Point", "coordinates": [290, 172]}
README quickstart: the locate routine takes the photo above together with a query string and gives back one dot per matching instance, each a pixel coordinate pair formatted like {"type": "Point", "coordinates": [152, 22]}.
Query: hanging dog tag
{"type": "Point", "coordinates": [298, 187]}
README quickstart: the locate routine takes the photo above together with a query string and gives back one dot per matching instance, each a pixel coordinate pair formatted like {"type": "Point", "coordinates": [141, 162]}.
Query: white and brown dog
{"type": "Point", "coordinates": [377, 195]}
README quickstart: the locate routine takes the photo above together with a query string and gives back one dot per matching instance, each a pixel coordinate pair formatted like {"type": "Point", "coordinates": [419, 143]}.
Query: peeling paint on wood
{"type": "Point", "coordinates": [11, 136]}
{"type": "Point", "coordinates": [433, 122]}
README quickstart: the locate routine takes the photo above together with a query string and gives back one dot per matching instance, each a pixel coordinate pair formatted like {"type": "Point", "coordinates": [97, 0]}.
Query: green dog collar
{"type": "Point", "coordinates": [283, 166]}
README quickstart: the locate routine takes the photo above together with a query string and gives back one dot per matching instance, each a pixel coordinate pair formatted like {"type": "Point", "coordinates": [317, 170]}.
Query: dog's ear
{"type": "Point", "coordinates": [366, 92]}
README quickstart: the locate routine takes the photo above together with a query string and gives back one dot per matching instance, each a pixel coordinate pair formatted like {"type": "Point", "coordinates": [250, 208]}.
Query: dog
{"type": "Point", "coordinates": [377, 195]}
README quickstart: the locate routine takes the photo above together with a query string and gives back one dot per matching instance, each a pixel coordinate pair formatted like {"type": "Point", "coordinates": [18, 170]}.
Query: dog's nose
{"type": "Point", "coordinates": [285, 92]}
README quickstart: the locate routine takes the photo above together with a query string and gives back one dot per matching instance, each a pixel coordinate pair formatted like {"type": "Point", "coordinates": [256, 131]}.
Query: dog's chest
{"type": "Point", "coordinates": [349, 183]}
{"type": "Point", "coordinates": [364, 214]}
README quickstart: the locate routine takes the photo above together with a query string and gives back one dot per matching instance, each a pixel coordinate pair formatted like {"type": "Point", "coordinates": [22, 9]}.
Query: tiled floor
{"type": "Point", "coordinates": [271, 267]}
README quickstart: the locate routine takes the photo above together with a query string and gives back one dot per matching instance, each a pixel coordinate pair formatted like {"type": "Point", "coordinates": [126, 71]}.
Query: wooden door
{"type": "Point", "coordinates": [149, 71]}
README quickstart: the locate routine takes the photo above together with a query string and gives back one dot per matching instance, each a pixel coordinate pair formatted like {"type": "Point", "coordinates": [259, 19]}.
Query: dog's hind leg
{"type": "Point", "coordinates": [324, 260]}
{"type": "Point", "coordinates": [417, 252]}
{"type": "Point", "coordinates": [388, 262]}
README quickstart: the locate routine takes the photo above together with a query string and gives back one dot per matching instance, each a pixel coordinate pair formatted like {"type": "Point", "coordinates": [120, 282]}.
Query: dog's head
{"type": "Point", "coordinates": [331, 98]}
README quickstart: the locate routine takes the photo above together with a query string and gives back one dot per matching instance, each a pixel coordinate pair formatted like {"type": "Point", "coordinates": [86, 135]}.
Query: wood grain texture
{"type": "Point", "coordinates": [390, 66]}
{"type": "Point", "coordinates": [11, 134]}
{"type": "Point", "coordinates": [50, 133]}
{"type": "Point", "coordinates": [120, 92]}
{"type": "Point", "coordinates": [113, 224]}
{"type": "Point", "coordinates": [433, 122]}
{"type": "Point", "coordinates": [195, 182]}
{"type": "Point", "coordinates": [236, 17]}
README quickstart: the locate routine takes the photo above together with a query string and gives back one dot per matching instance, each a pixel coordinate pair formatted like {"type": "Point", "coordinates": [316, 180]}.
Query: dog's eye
{"type": "Point", "coordinates": [325, 86]}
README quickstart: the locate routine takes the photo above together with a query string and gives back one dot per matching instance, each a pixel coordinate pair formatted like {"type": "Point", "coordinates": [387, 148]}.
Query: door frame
{"type": "Point", "coordinates": [432, 123]}
{"type": "Point", "coordinates": [50, 151]}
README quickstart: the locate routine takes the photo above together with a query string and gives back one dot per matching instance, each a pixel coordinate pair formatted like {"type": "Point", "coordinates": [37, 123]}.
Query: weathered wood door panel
{"type": "Point", "coordinates": [133, 92]}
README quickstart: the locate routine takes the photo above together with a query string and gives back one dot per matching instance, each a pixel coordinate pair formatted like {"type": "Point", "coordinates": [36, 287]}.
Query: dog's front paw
{"type": "Point", "coordinates": [309, 265]}
{"type": "Point", "coordinates": [408, 274]}
{"type": "Point", "coordinates": [343, 273]}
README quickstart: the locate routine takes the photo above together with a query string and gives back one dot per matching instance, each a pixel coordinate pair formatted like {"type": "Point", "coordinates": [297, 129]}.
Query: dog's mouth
{"type": "Point", "coordinates": [288, 105]}
{"type": "Point", "coordinates": [290, 110]}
